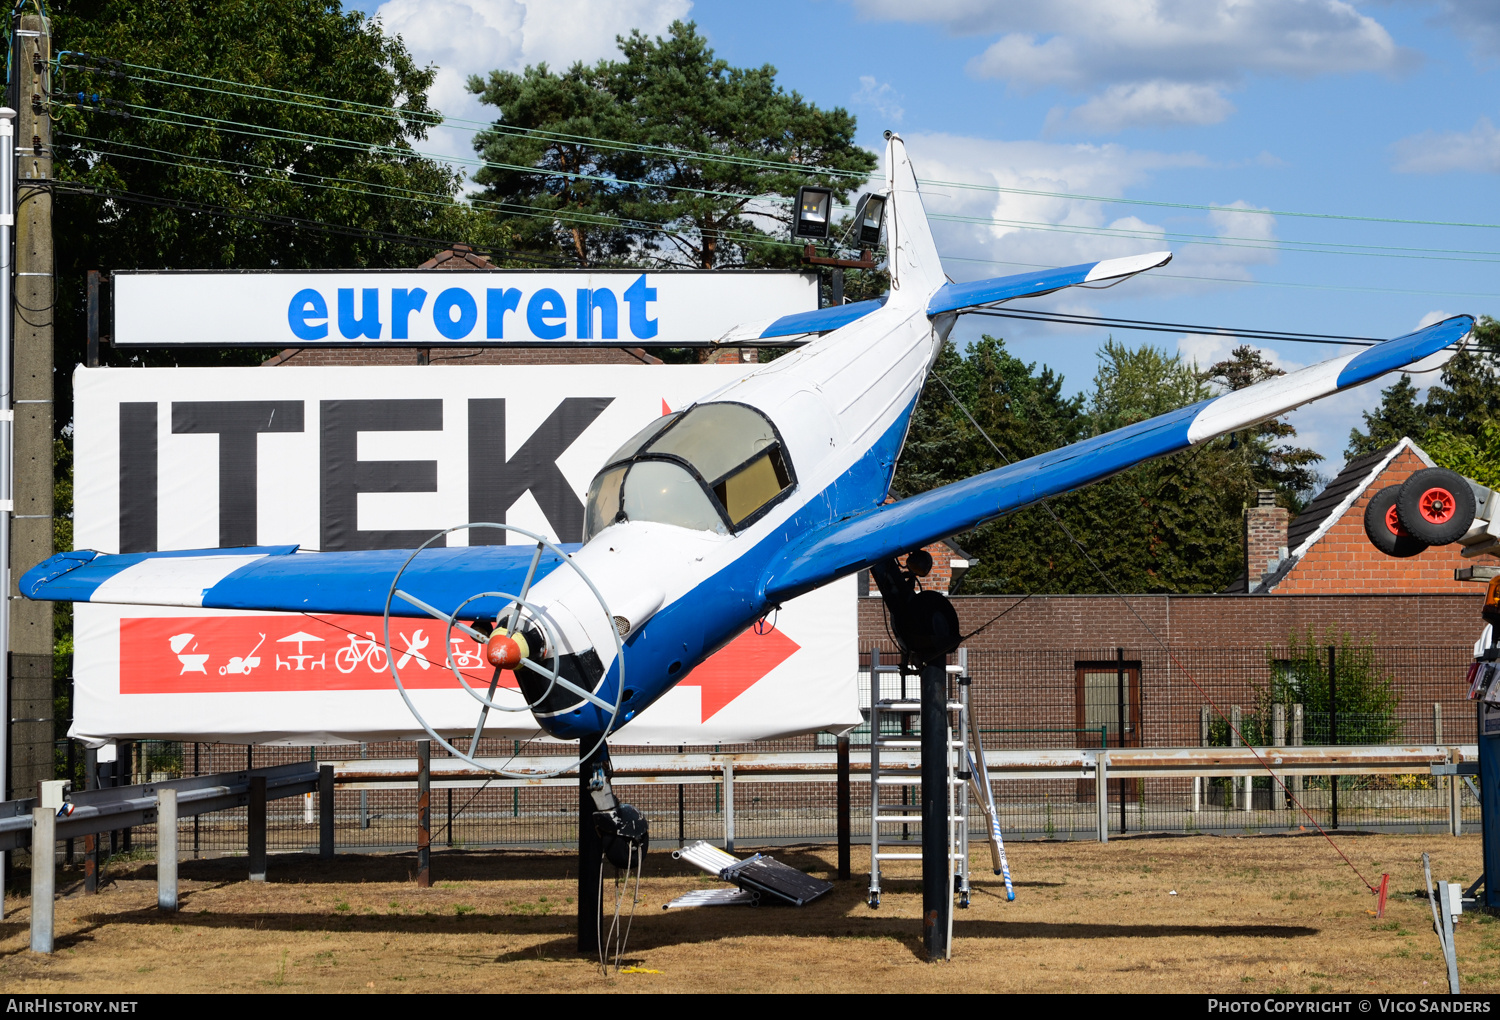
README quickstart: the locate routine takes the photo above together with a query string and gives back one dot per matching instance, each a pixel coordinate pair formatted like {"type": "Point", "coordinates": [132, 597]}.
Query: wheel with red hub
{"type": "Point", "coordinates": [1436, 506]}
{"type": "Point", "coordinates": [1383, 527]}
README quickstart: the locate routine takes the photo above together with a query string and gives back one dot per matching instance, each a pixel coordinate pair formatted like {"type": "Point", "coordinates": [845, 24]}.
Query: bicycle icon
{"type": "Point", "coordinates": [369, 650]}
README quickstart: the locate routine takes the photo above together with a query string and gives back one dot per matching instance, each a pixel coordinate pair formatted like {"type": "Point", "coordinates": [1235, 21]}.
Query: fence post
{"type": "Point", "coordinates": [1297, 742]}
{"type": "Point", "coordinates": [729, 807]}
{"type": "Point", "coordinates": [166, 849]}
{"type": "Point", "coordinates": [325, 812]}
{"type": "Point", "coordinates": [257, 829]}
{"type": "Point", "coordinates": [1101, 792]}
{"type": "Point", "coordinates": [424, 814]}
{"type": "Point", "coordinates": [1333, 724]}
{"type": "Point", "coordinates": [43, 877]}
{"type": "Point", "coordinates": [1278, 739]}
{"type": "Point", "coordinates": [1234, 741]}
{"type": "Point", "coordinates": [843, 797]}
{"type": "Point", "coordinates": [1455, 803]}
{"type": "Point", "coordinates": [1437, 722]}
{"type": "Point", "coordinates": [1203, 721]}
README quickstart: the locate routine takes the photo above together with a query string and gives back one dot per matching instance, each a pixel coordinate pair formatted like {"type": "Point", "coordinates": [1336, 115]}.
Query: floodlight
{"type": "Point", "coordinates": [813, 207]}
{"type": "Point", "coordinates": [869, 216]}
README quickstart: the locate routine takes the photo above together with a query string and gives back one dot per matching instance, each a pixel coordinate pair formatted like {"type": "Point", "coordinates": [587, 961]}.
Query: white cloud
{"type": "Point", "coordinates": [464, 37]}
{"type": "Point", "coordinates": [1148, 104]}
{"type": "Point", "coordinates": [1477, 22]}
{"type": "Point", "coordinates": [1040, 230]}
{"type": "Point", "coordinates": [879, 96]}
{"type": "Point", "coordinates": [1434, 152]}
{"type": "Point", "coordinates": [1207, 349]}
{"type": "Point", "coordinates": [1143, 53]}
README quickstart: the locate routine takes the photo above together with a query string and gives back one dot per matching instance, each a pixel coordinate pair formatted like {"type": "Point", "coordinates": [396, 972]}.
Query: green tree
{"type": "Point", "coordinates": [243, 148]}
{"type": "Point", "coordinates": [551, 122]}
{"type": "Point", "coordinates": [1272, 462]}
{"type": "Point", "coordinates": [674, 97]}
{"type": "Point", "coordinates": [1458, 414]}
{"type": "Point", "coordinates": [1398, 415]}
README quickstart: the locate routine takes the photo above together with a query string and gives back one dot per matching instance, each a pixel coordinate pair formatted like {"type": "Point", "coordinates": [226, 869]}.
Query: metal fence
{"type": "Point", "coordinates": [1054, 699]}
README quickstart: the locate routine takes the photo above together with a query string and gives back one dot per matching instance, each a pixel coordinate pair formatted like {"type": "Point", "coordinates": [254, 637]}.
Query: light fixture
{"type": "Point", "coordinates": [813, 208]}
{"type": "Point", "coordinates": [870, 216]}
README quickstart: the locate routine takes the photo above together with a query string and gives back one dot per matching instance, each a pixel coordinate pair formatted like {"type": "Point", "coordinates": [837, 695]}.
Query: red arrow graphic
{"type": "Point", "coordinates": [735, 668]}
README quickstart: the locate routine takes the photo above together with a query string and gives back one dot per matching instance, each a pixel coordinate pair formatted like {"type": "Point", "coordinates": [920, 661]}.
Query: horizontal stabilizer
{"type": "Point", "coordinates": [801, 323]}
{"type": "Point", "coordinates": [957, 296]}
{"type": "Point", "coordinates": [896, 528]}
{"type": "Point", "coordinates": [279, 578]}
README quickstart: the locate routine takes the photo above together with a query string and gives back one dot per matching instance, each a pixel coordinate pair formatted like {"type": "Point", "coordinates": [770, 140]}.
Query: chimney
{"type": "Point", "coordinates": [1265, 537]}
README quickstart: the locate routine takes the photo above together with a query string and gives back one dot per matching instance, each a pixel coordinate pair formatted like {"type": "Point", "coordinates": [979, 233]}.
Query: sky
{"type": "Point", "coordinates": [1384, 110]}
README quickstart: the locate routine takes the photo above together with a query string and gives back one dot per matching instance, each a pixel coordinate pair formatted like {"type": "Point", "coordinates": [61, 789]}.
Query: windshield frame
{"type": "Point", "coordinates": [778, 448]}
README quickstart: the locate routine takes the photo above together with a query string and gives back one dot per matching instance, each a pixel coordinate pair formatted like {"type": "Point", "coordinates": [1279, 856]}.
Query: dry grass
{"type": "Point", "coordinates": [1257, 914]}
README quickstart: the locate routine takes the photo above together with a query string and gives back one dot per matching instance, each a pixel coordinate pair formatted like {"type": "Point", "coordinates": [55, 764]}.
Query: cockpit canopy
{"type": "Point", "coordinates": [715, 467]}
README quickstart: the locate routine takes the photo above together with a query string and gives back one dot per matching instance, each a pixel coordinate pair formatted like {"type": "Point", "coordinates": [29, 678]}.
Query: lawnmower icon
{"type": "Point", "coordinates": [245, 664]}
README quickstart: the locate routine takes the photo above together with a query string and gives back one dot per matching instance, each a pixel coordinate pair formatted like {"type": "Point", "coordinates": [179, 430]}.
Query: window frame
{"type": "Point", "coordinates": [779, 446]}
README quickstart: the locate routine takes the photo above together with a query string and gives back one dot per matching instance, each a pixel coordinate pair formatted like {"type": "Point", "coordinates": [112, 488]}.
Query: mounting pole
{"type": "Point", "coordinates": [30, 388]}
{"type": "Point", "coordinates": [7, 231]}
{"type": "Point", "coordinates": [590, 849]}
{"type": "Point", "coordinates": [937, 869]}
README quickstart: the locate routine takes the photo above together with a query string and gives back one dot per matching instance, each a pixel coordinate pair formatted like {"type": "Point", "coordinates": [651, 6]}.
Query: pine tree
{"type": "Point", "coordinates": [1399, 415]}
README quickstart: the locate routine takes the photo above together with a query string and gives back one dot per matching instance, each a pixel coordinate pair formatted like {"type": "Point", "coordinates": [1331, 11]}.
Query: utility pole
{"type": "Point", "coordinates": [31, 527]}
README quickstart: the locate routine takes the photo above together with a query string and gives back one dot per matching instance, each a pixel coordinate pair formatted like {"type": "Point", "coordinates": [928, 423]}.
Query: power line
{"type": "Point", "coordinates": [1317, 247]}
{"type": "Point", "coordinates": [328, 104]}
{"type": "Point", "coordinates": [280, 219]}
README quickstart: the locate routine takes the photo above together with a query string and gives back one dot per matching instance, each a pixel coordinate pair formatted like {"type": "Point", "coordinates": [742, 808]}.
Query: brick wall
{"type": "Point", "coordinates": [1344, 561]}
{"type": "Point", "coordinates": [1205, 621]}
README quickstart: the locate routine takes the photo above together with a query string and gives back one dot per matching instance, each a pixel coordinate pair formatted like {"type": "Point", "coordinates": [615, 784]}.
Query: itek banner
{"type": "Point", "coordinates": [366, 458]}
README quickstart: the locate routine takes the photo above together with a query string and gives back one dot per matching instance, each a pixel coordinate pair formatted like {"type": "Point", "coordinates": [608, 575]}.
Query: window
{"type": "Point", "coordinates": [1102, 703]}
{"type": "Point", "coordinates": [716, 467]}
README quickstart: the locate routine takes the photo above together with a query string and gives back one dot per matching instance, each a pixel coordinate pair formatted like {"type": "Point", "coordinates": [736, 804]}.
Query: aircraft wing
{"type": "Point", "coordinates": [281, 578]}
{"type": "Point", "coordinates": [952, 297]}
{"type": "Point", "coordinates": [899, 527]}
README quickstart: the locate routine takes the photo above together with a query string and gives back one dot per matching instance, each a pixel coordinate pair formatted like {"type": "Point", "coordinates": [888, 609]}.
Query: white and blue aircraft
{"type": "Point", "coordinates": [712, 516]}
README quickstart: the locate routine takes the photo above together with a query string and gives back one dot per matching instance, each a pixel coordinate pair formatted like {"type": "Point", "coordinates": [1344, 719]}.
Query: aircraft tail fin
{"type": "Point", "coordinates": [916, 270]}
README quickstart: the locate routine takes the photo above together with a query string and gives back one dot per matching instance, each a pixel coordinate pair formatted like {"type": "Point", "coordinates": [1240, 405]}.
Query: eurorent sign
{"type": "Point", "coordinates": [433, 308]}
{"type": "Point", "coordinates": [370, 458]}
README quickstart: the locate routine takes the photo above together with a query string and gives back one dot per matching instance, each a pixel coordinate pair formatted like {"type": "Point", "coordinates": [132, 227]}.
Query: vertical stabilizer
{"type": "Point", "coordinates": [916, 271]}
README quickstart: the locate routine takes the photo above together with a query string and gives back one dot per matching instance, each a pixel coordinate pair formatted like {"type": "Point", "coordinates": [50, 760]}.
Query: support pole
{"type": "Point", "coordinates": [424, 814]}
{"type": "Point", "coordinates": [729, 807]}
{"type": "Point", "coordinates": [590, 851]}
{"type": "Point", "coordinates": [937, 869]}
{"type": "Point", "coordinates": [7, 230]}
{"type": "Point", "coordinates": [43, 877]}
{"type": "Point", "coordinates": [325, 812]}
{"type": "Point", "coordinates": [1101, 793]}
{"type": "Point", "coordinates": [166, 850]}
{"type": "Point", "coordinates": [257, 829]}
{"type": "Point", "coordinates": [91, 841]}
{"type": "Point", "coordinates": [29, 385]}
{"type": "Point", "coordinates": [845, 836]}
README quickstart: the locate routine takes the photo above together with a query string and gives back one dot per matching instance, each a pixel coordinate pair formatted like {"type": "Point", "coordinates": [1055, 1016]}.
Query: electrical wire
{"type": "Point", "coordinates": [280, 219]}
{"type": "Point", "coordinates": [435, 119]}
{"type": "Point", "coordinates": [243, 128]}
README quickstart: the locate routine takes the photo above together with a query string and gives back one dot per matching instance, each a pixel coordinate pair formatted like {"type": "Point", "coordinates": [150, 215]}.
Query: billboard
{"type": "Point", "coordinates": [382, 457]}
{"type": "Point", "coordinates": [417, 308]}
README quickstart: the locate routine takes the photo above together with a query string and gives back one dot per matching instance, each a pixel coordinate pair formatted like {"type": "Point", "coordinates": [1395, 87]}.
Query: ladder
{"type": "Point", "coordinates": [892, 709]}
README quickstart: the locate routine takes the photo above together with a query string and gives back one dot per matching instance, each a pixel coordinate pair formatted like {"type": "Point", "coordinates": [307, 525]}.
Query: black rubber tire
{"type": "Point", "coordinates": [1436, 506]}
{"type": "Point", "coordinates": [1378, 517]}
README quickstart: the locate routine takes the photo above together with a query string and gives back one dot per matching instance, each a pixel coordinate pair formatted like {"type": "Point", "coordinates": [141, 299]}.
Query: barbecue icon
{"type": "Point", "coordinates": [190, 663]}
{"type": "Point", "coordinates": [245, 664]}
